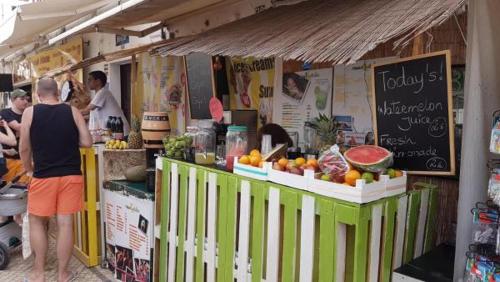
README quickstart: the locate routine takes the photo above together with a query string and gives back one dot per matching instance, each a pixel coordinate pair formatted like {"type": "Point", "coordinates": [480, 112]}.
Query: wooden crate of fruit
{"type": "Point", "coordinates": [259, 172]}
{"type": "Point", "coordinates": [252, 165]}
{"type": "Point", "coordinates": [362, 192]}
{"type": "Point", "coordinates": [395, 182]}
{"type": "Point", "coordinates": [291, 173]}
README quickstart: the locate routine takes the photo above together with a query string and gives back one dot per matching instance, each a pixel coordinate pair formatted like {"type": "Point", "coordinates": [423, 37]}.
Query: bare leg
{"type": "Point", "coordinates": [64, 245]}
{"type": "Point", "coordinates": [39, 244]}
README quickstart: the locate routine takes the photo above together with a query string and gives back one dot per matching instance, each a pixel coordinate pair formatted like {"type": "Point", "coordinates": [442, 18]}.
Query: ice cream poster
{"type": "Point", "coordinates": [304, 95]}
{"type": "Point", "coordinates": [251, 84]}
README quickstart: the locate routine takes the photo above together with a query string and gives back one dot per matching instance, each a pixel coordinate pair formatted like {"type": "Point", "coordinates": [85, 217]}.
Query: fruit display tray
{"type": "Point", "coordinates": [259, 173]}
{"type": "Point", "coordinates": [361, 193]}
{"type": "Point", "coordinates": [290, 179]}
{"type": "Point", "coordinates": [395, 186]}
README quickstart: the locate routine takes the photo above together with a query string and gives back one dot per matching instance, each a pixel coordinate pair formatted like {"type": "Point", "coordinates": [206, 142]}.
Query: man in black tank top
{"type": "Point", "coordinates": [51, 135]}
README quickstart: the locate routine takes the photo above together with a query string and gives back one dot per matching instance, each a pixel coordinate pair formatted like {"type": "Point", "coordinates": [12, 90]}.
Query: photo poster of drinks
{"type": "Point", "coordinates": [129, 236]}
{"type": "Point", "coordinates": [348, 137]}
{"type": "Point", "coordinates": [251, 85]}
{"type": "Point", "coordinates": [353, 98]}
{"type": "Point", "coordinates": [302, 97]}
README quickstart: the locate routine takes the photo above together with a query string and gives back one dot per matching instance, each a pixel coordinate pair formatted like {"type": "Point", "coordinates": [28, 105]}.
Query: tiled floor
{"type": "Point", "coordinates": [19, 267]}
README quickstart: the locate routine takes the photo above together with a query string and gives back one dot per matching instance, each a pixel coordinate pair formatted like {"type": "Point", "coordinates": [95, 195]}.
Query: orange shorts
{"type": "Point", "coordinates": [55, 195]}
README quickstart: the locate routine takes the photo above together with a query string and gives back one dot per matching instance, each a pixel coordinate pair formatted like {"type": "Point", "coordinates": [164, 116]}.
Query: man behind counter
{"type": "Point", "coordinates": [103, 105]}
{"type": "Point", "coordinates": [20, 101]}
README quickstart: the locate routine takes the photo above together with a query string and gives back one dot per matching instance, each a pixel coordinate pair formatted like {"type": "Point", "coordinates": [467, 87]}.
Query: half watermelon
{"type": "Point", "coordinates": [369, 158]}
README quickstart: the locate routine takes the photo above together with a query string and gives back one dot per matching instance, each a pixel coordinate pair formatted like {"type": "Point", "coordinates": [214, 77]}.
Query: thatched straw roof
{"type": "Point", "coordinates": [337, 31]}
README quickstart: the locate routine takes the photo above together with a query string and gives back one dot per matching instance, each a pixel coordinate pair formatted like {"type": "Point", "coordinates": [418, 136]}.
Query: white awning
{"type": "Point", "coordinates": [138, 12]}
{"type": "Point", "coordinates": [28, 22]}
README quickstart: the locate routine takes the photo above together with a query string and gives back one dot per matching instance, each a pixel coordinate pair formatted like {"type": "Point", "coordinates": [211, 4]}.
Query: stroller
{"type": "Point", "coordinates": [13, 201]}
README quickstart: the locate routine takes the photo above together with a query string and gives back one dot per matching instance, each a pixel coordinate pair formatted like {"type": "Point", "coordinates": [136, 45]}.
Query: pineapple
{"type": "Point", "coordinates": [327, 129]}
{"type": "Point", "coordinates": [135, 137]}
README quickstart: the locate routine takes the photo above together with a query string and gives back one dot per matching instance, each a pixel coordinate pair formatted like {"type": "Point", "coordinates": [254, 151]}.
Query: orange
{"type": "Point", "coordinates": [255, 160]}
{"type": "Point", "coordinates": [283, 162]}
{"type": "Point", "coordinates": [399, 173]}
{"type": "Point", "coordinates": [300, 161]}
{"type": "Point", "coordinates": [244, 160]}
{"type": "Point", "coordinates": [351, 177]}
{"type": "Point", "coordinates": [261, 164]}
{"type": "Point", "coordinates": [254, 152]}
{"type": "Point", "coordinates": [312, 162]}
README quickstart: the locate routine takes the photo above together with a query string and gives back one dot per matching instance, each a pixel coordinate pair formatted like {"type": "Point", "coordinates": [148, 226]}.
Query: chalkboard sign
{"type": "Point", "coordinates": [413, 113]}
{"type": "Point", "coordinates": [200, 84]}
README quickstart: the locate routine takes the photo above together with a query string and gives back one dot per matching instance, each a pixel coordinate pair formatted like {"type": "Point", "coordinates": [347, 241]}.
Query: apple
{"type": "Point", "coordinates": [277, 166]}
{"type": "Point", "coordinates": [290, 165]}
{"type": "Point", "coordinates": [337, 178]}
{"type": "Point", "coordinates": [296, 170]}
{"type": "Point", "coordinates": [325, 177]}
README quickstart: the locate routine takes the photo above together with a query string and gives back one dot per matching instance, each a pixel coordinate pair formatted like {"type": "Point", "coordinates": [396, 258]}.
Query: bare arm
{"type": "Point", "coordinates": [9, 138]}
{"type": "Point", "coordinates": [83, 131]}
{"type": "Point", "coordinates": [15, 125]}
{"type": "Point", "coordinates": [25, 142]}
{"type": "Point", "coordinates": [87, 109]}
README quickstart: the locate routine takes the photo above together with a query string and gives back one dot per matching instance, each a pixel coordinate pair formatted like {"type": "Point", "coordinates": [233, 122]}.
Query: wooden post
{"type": "Point", "coordinates": [418, 45]}
{"type": "Point", "coordinates": [133, 81]}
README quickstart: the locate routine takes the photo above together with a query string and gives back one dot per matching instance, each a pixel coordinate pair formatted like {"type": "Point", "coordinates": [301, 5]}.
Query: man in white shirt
{"type": "Point", "coordinates": [104, 104]}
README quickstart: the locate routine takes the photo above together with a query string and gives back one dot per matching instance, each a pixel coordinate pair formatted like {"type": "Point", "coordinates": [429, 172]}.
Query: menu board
{"type": "Point", "coordinates": [200, 84]}
{"type": "Point", "coordinates": [129, 236]}
{"type": "Point", "coordinates": [413, 113]}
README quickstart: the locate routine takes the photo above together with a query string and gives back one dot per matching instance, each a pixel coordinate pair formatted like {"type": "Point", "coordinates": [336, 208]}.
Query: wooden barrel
{"type": "Point", "coordinates": [155, 126]}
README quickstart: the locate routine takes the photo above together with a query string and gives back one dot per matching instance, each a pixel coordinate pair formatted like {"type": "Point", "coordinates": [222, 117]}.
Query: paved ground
{"type": "Point", "coordinates": [19, 267]}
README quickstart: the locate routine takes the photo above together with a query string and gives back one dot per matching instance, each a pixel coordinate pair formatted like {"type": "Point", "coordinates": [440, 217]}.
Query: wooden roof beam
{"type": "Point", "coordinates": [152, 29]}
{"type": "Point", "coordinates": [120, 31]}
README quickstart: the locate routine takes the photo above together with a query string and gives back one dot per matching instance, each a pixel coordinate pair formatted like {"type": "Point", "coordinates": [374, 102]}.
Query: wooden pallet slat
{"type": "Point", "coordinates": [200, 225]}
{"type": "Point", "coordinates": [326, 241]}
{"type": "Point", "coordinates": [411, 226]}
{"type": "Point", "coordinates": [211, 227]}
{"type": "Point", "coordinates": [257, 231]}
{"type": "Point", "coordinates": [165, 212]}
{"type": "Point", "coordinates": [376, 232]}
{"type": "Point", "coordinates": [388, 240]}
{"type": "Point", "coordinates": [181, 225]}
{"type": "Point", "coordinates": [400, 231]}
{"type": "Point", "coordinates": [422, 218]}
{"type": "Point", "coordinates": [191, 224]}
{"type": "Point", "coordinates": [172, 240]}
{"type": "Point", "coordinates": [244, 229]}
{"type": "Point", "coordinates": [232, 183]}
{"type": "Point", "coordinates": [307, 239]}
{"type": "Point", "coordinates": [289, 199]}
{"type": "Point", "coordinates": [273, 227]}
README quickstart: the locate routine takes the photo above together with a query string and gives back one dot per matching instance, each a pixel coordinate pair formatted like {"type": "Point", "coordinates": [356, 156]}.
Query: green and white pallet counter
{"type": "Point", "coordinates": [218, 226]}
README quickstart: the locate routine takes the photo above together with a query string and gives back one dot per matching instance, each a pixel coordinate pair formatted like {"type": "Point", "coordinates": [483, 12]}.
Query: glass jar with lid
{"type": "Point", "coordinates": [205, 143]}
{"type": "Point", "coordinates": [190, 140]}
{"type": "Point", "coordinates": [236, 144]}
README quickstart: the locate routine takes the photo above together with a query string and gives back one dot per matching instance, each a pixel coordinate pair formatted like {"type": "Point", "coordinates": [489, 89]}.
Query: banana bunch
{"type": "Point", "coordinates": [116, 144]}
